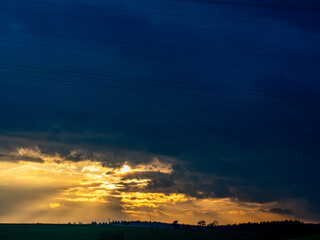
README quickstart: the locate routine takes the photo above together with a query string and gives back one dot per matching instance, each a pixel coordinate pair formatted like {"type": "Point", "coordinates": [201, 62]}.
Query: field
{"type": "Point", "coordinates": [85, 232]}
{"type": "Point", "coordinates": [317, 237]}
{"type": "Point", "coordinates": [89, 232]}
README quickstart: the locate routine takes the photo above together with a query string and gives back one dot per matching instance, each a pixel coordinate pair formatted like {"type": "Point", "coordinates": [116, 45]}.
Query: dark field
{"type": "Point", "coordinates": [84, 232]}
{"type": "Point", "coordinates": [87, 232]}
{"type": "Point", "coordinates": [317, 237]}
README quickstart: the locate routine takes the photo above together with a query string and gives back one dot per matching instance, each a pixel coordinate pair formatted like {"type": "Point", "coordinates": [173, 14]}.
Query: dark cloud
{"type": "Point", "coordinates": [157, 182]}
{"type": "Point", "coordinates": [279, 211]}
{"type": "Point", "coordinates": [14, 158]}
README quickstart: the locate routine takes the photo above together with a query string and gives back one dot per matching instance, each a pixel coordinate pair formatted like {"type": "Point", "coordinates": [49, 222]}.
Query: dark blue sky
{"type": "Point", "coordinates": [234, 100]}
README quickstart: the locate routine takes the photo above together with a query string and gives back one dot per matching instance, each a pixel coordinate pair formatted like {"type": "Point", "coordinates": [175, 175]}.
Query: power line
{"type": "Point", "coordinates": [164, 14]}
{"type": "Point", "coordinates": [157, 45]}
{"type": "Point", "coordinates": [198, 87]}
{"type": "Point", "coordinates": [157, 93]}
{"type": "Point", "coordinates": [160, 25]}
{"type": "Point", "coordinates": [252, 4]}
{"type": "Point", "coordinates": [166, 84]}
{"type": "Point", "coordinates": [158, 57]}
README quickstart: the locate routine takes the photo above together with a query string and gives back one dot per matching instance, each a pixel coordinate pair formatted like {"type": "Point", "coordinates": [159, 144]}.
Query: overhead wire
{"type": "Point", "coordinates": [160, 25]}
{"type": "Point", "coordinates": [253, 4]}
{"type": "Point", "coordinates": [156, 82]}
{"type": "Point", "coordinates": [158, 93]}
{"type": "Point", "coordinates": [158, 57]}
{"type": "Point", "coordinates": [93, 85]}
{"type": "Point", "coordinates": [161, 13]}
{"type": "Point", "coordinates": [157, 45]}
{"type": "Point", "coordinates": [130, 79]}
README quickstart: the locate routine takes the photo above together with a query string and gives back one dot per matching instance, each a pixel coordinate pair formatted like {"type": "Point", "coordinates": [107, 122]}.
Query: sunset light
{"type": "Point", "coordinates": [125, 169]}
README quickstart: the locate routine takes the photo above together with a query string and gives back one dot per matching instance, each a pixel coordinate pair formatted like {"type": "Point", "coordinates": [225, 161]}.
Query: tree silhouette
{"type": "Point", "coordinates": [202, 223]}
{"type": "Point", "coordinates": [175, 224]}
{"type": "Point", "coordinates": [213, 224]}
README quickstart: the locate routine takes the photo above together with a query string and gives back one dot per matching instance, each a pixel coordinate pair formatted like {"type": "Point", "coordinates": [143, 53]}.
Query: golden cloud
{"type": "Point", "coordinates": [138, 199]}
{"type": "Point", "coordinates": [90, 184]}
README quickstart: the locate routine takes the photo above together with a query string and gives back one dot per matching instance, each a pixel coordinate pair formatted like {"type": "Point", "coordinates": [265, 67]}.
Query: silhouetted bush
{"type": "Point", "coordinates": [126, 223]}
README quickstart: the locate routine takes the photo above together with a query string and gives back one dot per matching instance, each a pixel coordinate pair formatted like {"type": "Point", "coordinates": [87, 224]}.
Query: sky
{"type": "Point", "coordinates": [159, 110]}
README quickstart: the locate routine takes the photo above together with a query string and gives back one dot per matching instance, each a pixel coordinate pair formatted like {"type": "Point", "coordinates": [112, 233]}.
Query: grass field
{"type": "Point", "coordinates": [317, 237]}
{"type": "Point", "coordinates": [84, 232]}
